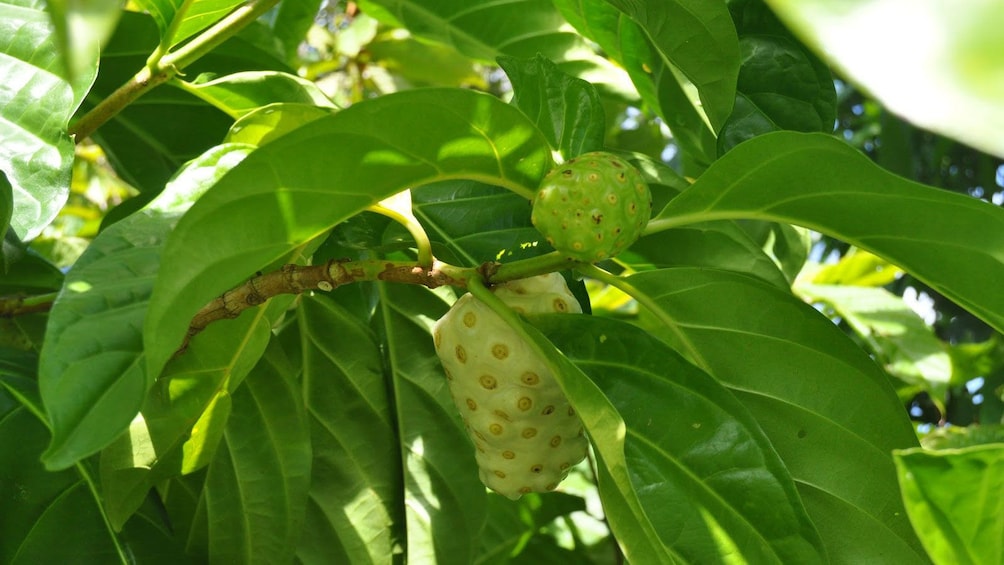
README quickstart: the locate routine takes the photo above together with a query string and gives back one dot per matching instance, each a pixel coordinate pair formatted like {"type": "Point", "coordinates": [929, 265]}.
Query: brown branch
{"type": "Point", "coordinates": [295, 279]}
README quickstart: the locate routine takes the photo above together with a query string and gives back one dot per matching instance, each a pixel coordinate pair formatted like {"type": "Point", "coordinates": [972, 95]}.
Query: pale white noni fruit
{"type": "Point", "coordinates": [526, 434]}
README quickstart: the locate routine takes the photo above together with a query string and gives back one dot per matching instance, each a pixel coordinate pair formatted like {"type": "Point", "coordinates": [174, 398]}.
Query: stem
{"type": "Point", "coordinates": [646, 301]}
{"type": "Point", "coordinates": [531, 267]}
{"type": "Point", "coordinates": [11, 306]}
{"type": "Point", "coordinates": [161, 69]}
{"type": "Point", "coordinates": [416, 230]}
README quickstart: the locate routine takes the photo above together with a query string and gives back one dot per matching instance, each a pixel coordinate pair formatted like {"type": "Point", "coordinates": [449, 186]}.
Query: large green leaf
{"type": "Point", "coordinates": [512, 524]}
{"type": "Point", "coordinates": [355, 512]}
{"type": "Point", "coordinates": [92, 372]}
{"type": "Point", "coordinates": [185, 414]}
{"type": "Point", "coordinates": [954, 500]}
{"type": "Point", "coordinates": [256, 488]}
{"type": "Point", "coordinates": [486, 29]}
{"type": "Point", "coordinates": [952, 242]}
{"type": "Point", "coordinates": [828, 410]}
{"type": "Point", "coordinates": [938, 66]}
{"type": "Point", "coordinates": [699, 39]}
{"type": "Point", "coordinates": [35, 104]}
{"type": "Point", "coordinates": [302, 184]}
{"type": "Point", "coordinates": [238, 94]}
{"type": "Point", "coordinates": [444, 502]}
{"type": "Point", "coordinates": [566, 109]}
{"type": "Point", "coordinates": [721, 486]}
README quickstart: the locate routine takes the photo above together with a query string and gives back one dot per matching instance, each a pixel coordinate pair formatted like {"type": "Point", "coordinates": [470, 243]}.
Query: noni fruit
{"type": "Point", "coordinates": [592, 207]}
{"type": "Point", "coordinates": [526, 434]}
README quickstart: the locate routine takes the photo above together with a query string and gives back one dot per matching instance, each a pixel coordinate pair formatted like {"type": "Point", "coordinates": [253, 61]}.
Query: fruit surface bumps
{"type": "Point", "coordinates": [525, 432]}
{"type": "Point", "coordinates": [592, 207]}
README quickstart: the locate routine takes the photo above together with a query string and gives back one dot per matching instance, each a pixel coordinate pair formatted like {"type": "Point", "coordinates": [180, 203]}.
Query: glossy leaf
{"type": "Point", "coordinates": [897, 336]}
{"type": "Point", "coordinates": [240, 93]}
{"type": "Point", "coordinates": [299, 186]}
{"type": "Point", "coordinates": [92, 371]}
{"type": "Point", "coordinates": [35, 105]}
{"type": "Point", "coordinates": [185, 414]}
{"type": "Point", "coordinates": [953, 499]}
{"type": "Point", "coordinates": [355, 511]}
{"type": "Point", "coordinates": [936, 56]}
{"type": "Point", "coordinates": [821, 183]}
{"type": "Point", "coordinates": [264, 124]}
{"type": "Point", "coordinates": [699, 39]}
{"type": "Point", "coordinates": [80, 29]}
{"type": "Point", "coordinates": [485, 29]}
{"type": "Point", "coordinates": [292, 20]}
{"type": "Point", "coordinates": [781, 86]}
{"type": "Point", "coordinates": [716, 472]}
{"type": "Point", "coordinates": [444, 502]}
{"type": "Point", "coordinates": [567, 109]}
{"type": "Point", "coordinates": [256, 488]}
{"type": "Point", "coordinates": [178, 20]}
{"type": "Point", "coordinates": [828, 410]}
{"type": "Point", "coordinates": [150, 139]}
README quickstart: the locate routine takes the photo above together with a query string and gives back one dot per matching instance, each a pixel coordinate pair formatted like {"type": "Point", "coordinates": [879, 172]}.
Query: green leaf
{"type": "Point", "coordinates": [256, 489]}
{"type": "Point", "coordinates": [418, 62]}
{"type": "Point", "coordinates": [936, 56]}
{"type": "Point", "coordinates": [178, 20]}
{"type": "Point", "coordinates": [511, 524]}
{"type": "Point", "coordinates": [292, 20]}
{"type": "Point", "coordinates": [369, 152]}
{"type": "Point", "coordinates": [355, 510]}
{"type": "Point", "coordinates": [953, 499]}
{"type": "Point", "coordinates": [486, 29]}
{"type": "Point", "coordinates": [240, 93]}
{"type": "Point", "coordinates": [721, 486]}
{"type": "Point", "coordinates": [828, 410]}
{"type": "Point", "coordinates": [896, 334]}
{"type": "Point", "coordinates": [781, 86]}
{"type": "Point", "coordinates": [150, 139]}
{"type": "Point", "coordinates": [444, 502]}
{"type": "Point", "coordinates": [699, 39]}
{"type": "Point", "coordinates": [81, 28]}
{"type": "Point", "coordinates": [35, 105]}
{"type": "Point", "coordinates": [92, 372]}
{"type": "Point", "coordinates": [185, 413]}
{"type": "Point", "coordinates": [6, 213]}
{"type": "Point", "coordinates": [264, 124]}
{"type": "Point", "coordinates": [816, 181]}
{"type": "Point", "coordinates": [567, 109]}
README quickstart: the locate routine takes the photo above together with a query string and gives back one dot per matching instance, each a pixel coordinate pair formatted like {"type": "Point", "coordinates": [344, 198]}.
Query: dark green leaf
{"type": "Point", "coordinates": [444, 502]}
{"type": "Point", "coordinates": [699, 39]}
{"type": "Point", "coordinates": [953, 499]}
{"type": "Point", "coordinates": [781, 86]}
{"type": "Point", "coordinates": [947, 240]}
{"type": "Point", "coordinates": [355, 513]}
{"type": "Point", "coordinates": [26, 271]}
{"type": "Point", "coordinates": [35, 105]}
{"type": "Point", "coordinates": [567, 109]}
{"type": "Point", "coordinates": [6, 213]}
{"type": "Point", "coordinates": [719, 480]}
{"type": "Point", "coordinates": [292, 20]}
{"type": "Point", "coordinates": [92, 372]}
{"type": "Point", "coordinates": [828, 410]}
{"type": "Point", "coordinates": [512, 523]}
{"type": "Point", "coordinates": [299, 186]}
{"type": "Point", "coordinates": [256, 489]}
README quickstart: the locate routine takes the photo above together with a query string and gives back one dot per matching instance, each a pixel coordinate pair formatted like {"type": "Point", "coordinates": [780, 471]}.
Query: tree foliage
{"type": "Point", "coordinates": [216, 313]}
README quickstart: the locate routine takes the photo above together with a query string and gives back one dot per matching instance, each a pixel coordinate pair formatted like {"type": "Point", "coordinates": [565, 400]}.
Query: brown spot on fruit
{"type": "Point", "coordinates": [564, 466]}
{"type": "Point", "coordinates": [461, 354]}
{"type": "Point", "coordinates": [538, 468]}
{"type": "Point", "coordinates": [488, 382]}
{"type": "Point", "coordinates": [529, 432]}
{"type": "Point", "coordinates": [471, 404]}
{"type": "Point", "coordinates": [560, 305]}
{"type": "Point", "coordinates": [547, 411]}
{"type": "Point", "coordinates": [525, 490]}
{"type": "Point", "coordinates": [508, 455]}
{"type": "Point", "coordinates": [499, 474]}
{"type": "Point", "coordinates": [524, 403]}
{"type": "Point", "coordinates": [496, 429]}
{"type": "Point", "coordinates": [437, 339]}
{"type": "Point", "coordinates": [501, 414]}
{"type": "Point", "coordinates": [555, 441]}
{"type": "Point", "coordinates": [530, 379]}
{"type": "Point", "coordinates": [470, 319]}
{"type": "Point", "coordinates": [551, 486]}
{"type": "Point", "coordinates": [500, 351]}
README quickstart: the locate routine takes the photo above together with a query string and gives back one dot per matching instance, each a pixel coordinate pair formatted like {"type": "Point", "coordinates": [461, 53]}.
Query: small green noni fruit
{"type": "Point", "coordinates": [526, 434]}
{"type": "Point", "coordinates": [592, 207]}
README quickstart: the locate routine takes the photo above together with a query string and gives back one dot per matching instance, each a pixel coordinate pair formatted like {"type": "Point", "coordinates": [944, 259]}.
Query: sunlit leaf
{"type": "Point", "coordinates": [301, 185]}
{"type": "Point", "coordinates": [240, 93]}
{"type": "Point", "coordinates": [953, 499]}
